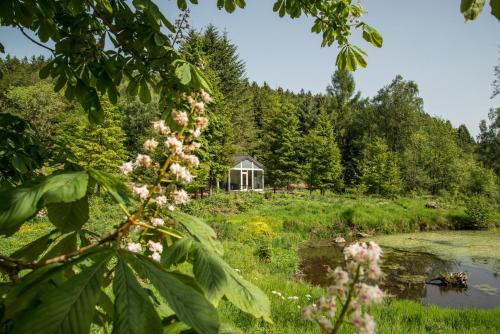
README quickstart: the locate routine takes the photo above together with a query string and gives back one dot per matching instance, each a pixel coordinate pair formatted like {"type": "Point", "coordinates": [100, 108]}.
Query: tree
{"type": "Point", "coordinates": [380, 171]}
{"type": "Point", "coordinates": [488, 147]}
{"type": "Point", "coordinates": [399, 109]}
{"type": "Point", "coordinates": [464, 139]}
{"type": "Point", "coordinates": [280, 145]}
{"type": "Point", "coordinates": [99, 146]}
{"type": "Point", "coordinates": [323, 167]}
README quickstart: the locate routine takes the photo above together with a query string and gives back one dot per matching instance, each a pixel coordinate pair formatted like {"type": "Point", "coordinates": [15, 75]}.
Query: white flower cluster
{"type": "Point", "coordinates": [178, 148]}
{"type": "Point", "coordinates": [349, 294]}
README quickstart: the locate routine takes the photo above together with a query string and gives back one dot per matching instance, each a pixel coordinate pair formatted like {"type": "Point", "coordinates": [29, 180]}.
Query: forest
{"type": "Point", "coordinates": [338, 141]}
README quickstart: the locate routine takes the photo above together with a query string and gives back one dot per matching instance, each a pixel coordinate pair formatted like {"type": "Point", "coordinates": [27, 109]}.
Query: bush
{"type": "Point", "coordinates": [479, 212]}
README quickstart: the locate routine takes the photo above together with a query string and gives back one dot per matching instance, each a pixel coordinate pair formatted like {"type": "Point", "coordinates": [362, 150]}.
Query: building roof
{"type": "Point", "coordinates": [240, 158]}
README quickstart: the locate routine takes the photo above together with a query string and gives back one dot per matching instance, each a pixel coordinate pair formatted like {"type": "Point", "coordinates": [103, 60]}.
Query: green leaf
{"type": "Point", "coordinates": [229, 6]}
{"type": "Point", "coordinates": [18, 163]}
{"type": "Point", "coordinates": [69, 216]}
{"type": "Point", "coordinates": [64, 245]}
{"type": "Point", "coordinates": [229, 329]}
{"type": "Point", "coordinates": [199, 79]}
{"type": "Point", "coordinates": [144, 93]}
{"type": "Point", "coordinates": [372, 36]}
{"type": "Point", "coordinates": [495, 8]}
{"type": "Point", "coordinates": [34, 249]}
{"type": "Point", "coordinates": [176, 328]}
{"type": "Point", "coordinates": [183, 73]}
{"type": "Point", "coordinates": [177, 253]}
{"type": "Point", "coordinates": [199, 230]}
{"type": "Point", "coordinates": [21, 203]}
{"type": "Point", "coordinates": [181, 4]}
{"type": "Point", "coordinates": [69, 308]}
{"type": "Point", "coordinates": [113, 185]}
{"type": "Point", "coordinates": [45, 71]}
{"type": "Point", "coordinates": [189, 305]}
{"type": "Point", "coordinates": [133, 87]}
{"type": "Point", "coordinates": [471, 9]}
{"type": "Point", "coordinates": [209, 272]}
{"type": "Point", "coordinates": [246, 296]}
{"type": "Point", "coordinates": [134, 312]}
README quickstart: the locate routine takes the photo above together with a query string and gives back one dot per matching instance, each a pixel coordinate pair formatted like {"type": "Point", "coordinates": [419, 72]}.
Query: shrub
{"type": "Point", "coordinates": [479, 212]}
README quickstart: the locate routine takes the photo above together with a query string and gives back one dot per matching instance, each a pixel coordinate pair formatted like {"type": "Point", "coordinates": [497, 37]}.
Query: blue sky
{"type": "Point", "coordinates": [426, 41]}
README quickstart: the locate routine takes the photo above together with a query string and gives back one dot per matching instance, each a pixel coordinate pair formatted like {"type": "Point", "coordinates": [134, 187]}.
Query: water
{"type": "Point", "coordinates": [411, 259]}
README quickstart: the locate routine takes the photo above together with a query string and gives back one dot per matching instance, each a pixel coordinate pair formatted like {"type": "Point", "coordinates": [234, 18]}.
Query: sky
{"type": "Point", "coordinates": [427, 41]}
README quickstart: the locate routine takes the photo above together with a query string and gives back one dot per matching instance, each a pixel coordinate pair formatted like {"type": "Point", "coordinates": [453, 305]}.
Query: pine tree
{"type": "Point", "coordinates": [323, 168]}
{"type": "Point", "coordinates": [280, 145]}
{"type": "Point", "coordinates": [380, 171]}
{"type": "Point", "coordinates": [100, 146]}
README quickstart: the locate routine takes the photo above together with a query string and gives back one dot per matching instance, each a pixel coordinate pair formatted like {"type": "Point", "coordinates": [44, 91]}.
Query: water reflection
{"type": "Point", "coordinates": [406, 273]}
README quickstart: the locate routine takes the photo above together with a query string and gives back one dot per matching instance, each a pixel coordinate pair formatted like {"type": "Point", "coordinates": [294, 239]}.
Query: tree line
{"type": "Point", "coordinates": [337, 141]}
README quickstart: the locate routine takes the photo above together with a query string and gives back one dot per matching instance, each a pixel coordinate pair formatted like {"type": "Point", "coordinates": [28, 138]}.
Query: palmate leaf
{"type": "Point", "coordinates": [22, 203]}
{"type": "Point", "coordinates": [199, 230]}
{"type": "Point", "coordinates": [69, 216]}
{"type": "Point", "coordinates": [67, 309]}
{"type": "Point", "coordinates": [495, 8]}
{"type": "Point", "coordinates": [34, 249]}
{"type": "Point", "coordinates": [113, 185]}
{"type": "Point", "coordinates": [134, 312]}
{"type": "Point", "coordinates": [209, 272]}
{"type": "Point", "coordinates": [188, 303]}
{"type": "Point", "coordinates": [176, 253]}
{"type": "Point", "coordinates": [471, 9]}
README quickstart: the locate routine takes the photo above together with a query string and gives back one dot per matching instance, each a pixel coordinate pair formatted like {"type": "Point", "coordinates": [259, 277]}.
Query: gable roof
{"type": "Point", "coordinates": [240, 158]}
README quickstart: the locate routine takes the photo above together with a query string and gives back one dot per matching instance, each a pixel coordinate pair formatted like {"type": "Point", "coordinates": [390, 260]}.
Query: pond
{"type": "Point", "coordinates": [411, 259]}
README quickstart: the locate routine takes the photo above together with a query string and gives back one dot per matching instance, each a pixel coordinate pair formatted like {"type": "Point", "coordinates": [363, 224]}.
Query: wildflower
{"type": "Point", "coordinates": [142, 192]}
{"type": "Point", "coordinates": [170, 208]}
{"type": "Point", "coordinates": [134, 247]}
{"type": "Point", "coordinates": [201, 122]}
{"type": "Point", "coordinates": [161, 128]}
{"type": "Point", "coordinates": [180, 117]}
{"type": "Point", "coordinates": [161, 200]}
{"type": "Point", "coordinates": [308, 296]}
{"type": "Point", "coordinates": [205, 96]}
{"type": "Point", "coordinates": [150, 144]}
{"type": "Point", "coordinates": [196, 133]}
{"type": "Point", "coordinates": [174, 144]}
{"type": "Point", "coordinates": [188, 99]}
{"type": "Point", "coordinates": [237, 270]}
{"type": "Point", "coordinates": [155, 246]}
{"type": "Point", "coordinates": [157, 222]}
{"type": "Point", "coordinates": [180, 196]}
{"type": "Point", "coordinates": [199, 107]}
{"type": "Point", "coordinates": [340, 276]}
{"type": "Point", "coordinates": [374, 271]}
{"type": "Point", "coordinates": [364, 323]}
{"type": "Point", "coordinates": [126, 168]}
{"type": "Point", "coordinates": [143, 160]}
{"type": "Point", "coordinates": [192, 147]}
{"type": "Point", "coordinates": [156, 256]}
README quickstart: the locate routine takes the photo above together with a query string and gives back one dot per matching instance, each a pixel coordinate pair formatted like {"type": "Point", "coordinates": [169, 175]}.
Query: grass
{"type": "Point", "coordinates": [276, 225]}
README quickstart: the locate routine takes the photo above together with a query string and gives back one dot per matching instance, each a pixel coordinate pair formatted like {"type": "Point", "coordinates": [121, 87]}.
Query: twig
{"type": "Point", "coordinates": [35, 41]}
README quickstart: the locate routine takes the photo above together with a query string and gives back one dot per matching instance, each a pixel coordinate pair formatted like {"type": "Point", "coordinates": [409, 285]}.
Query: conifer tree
{"type": "Point", "coordinates": [380, 171]}
{"type": "Point", "coordinates": [323, 168]}
{"type": "Point", "coordinates": [98, 146]}
{"type": "Point", "coordinates": [280, 149]}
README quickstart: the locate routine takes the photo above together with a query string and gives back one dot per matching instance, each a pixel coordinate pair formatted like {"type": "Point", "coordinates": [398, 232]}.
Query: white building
{"type": "Point", "coordinates": [246, 175]}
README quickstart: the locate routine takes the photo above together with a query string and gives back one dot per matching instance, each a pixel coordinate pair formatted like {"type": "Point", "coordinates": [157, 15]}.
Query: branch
{"type": "Point", "coordinates": [35, 41]}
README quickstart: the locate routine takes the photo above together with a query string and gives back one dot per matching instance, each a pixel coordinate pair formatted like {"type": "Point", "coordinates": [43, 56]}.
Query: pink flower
{"type": "Point", "coordinates": [199, 107]}
{"type": "Point", "coordinates": [157, 222]}
{"type": "Point", "coordinates": [161, 128]}
{"type": "Point", "coordinates": [143, 160]}
{"type": "Point", "coordinates": [155, 246]}
{"type": "Point", "coordinates": [161, 200]}
{"type": "Point", "coordinates": [340, 276]}
{"type": "Point", "coordinates": [134, 247]}
{"type": "Point", "coordinates": [368, 294]}
{"type": "Point", "coordinates": [150, 144]}
{"type": "Point", "coordinates": [142, 192]}
{"type": "Point", "coordinates": [126, 168]}
{"type": "Point", "coordinates": [180, 117]}
{"type": "Point", "coordinates": [205, 96]}
{"type": "Point", "coordinates": [374, 271]}
{"type": "Point", "coordinates": [156, 256]}
{"type": "Point", "coordinates": [181, 173]}
{"type": "Point", "coordinates": [364, 323]}
{"type": "Point", "coordinates": [192, 147]}
{"type": "Point", "coordinates": [191, 160]}
{"type": "Point", "coordinates": [201, 122]}
{"type": "Point", "coordinates": [174, 144]}
{"type": "Point", "coordinates": [325, 324]}
{"type": "Point", "coordinates": [180, 196]}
